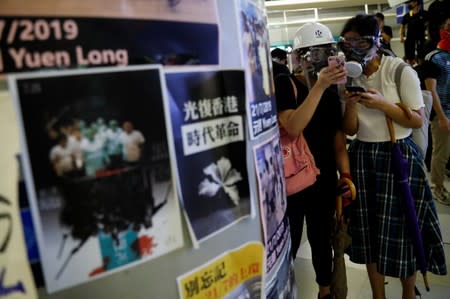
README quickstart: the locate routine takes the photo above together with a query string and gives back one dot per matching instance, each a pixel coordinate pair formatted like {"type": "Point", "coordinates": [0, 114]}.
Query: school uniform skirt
{"type": "Point", "coordinates": [377, 224]}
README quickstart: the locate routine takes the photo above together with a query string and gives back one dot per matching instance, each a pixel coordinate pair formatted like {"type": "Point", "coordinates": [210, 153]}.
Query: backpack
{"type": "Point", "coordinates": [300, 170]}
{"type": "Point", "coordinates": [419, 135]}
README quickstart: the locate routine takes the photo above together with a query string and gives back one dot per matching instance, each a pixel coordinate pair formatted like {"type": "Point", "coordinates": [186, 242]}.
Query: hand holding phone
{"type": "Point", "coordinates": [338, 62]}
{"type": "Point", "coordinates": [354, 89]}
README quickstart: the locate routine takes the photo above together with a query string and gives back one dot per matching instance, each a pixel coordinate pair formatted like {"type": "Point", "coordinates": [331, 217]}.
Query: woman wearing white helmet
{"type": "Point", "coordinates": [380, 234]}
{"type": "Point", "coordinates": [316, 113]}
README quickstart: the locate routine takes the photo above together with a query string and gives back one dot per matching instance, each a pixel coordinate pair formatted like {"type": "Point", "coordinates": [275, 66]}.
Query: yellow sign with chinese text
{"type": "Point", "coordinates": [235, 272]}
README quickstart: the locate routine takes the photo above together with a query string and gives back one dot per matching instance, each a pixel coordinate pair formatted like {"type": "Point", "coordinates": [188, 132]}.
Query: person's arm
{"type": "Point", "coordinates": [341, 154]}
{"type": "Point", "coordinates": [410, 95]}
{"type": "Point", "coordinates": [350, 115]}
{"type": "Point", "coordinates": [294, 121]}
{"type": "Point", "coordinates": [444, 122]}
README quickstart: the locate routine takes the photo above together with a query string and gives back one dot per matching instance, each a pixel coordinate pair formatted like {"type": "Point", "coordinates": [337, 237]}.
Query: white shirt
{"type": "Point", "coordinates": [62, 158]}
{"type": "Point", "coordinates": [372, 125]}
{"type": "Point", "coordinates": [131, 145]}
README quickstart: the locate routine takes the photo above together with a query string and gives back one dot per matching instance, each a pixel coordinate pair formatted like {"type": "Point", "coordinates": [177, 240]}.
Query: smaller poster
{"type": "Point", "coordinates": [281, 283]}
{"type": "Point", "coordinates": [235, 274]}
{"type": "Point", "coordinates": [97, 170]}
{"type": "Point", "coordinates": [207, 113]}
{"type": "Point", "coordinates": [255, 47]}
{"type": "Point", "coordinates": [272, 197]}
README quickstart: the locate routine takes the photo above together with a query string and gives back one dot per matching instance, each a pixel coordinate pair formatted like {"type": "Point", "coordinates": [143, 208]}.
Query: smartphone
{"type": "Point", "coordinates": [338, 61]}
{"type": "Point", "coordinates": [355, 89]}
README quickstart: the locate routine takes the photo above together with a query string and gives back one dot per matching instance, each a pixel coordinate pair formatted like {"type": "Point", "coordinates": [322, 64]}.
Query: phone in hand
{"type": "Point", "coordinates": [338, 61]}
{"type": "Point", "coordinates": [354, 89]}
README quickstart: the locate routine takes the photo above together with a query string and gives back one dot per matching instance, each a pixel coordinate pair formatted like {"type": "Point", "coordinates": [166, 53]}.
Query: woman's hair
{"type": "Point", "coordinates": [364, 25]}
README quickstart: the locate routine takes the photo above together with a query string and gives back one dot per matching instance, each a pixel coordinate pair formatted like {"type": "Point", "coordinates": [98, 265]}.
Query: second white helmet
{"type": "Point", "coordinates": [312, 34]}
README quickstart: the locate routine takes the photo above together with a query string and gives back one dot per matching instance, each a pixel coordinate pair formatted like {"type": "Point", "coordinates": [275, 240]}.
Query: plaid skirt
{"type": "Point", "coordinates": [377, 223]}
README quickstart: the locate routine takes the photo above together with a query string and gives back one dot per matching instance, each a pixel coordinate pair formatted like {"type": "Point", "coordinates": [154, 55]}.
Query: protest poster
{"type": "Point", "coordinates": [207, 111]}
{"type": "Point", "coordinates": [51, 34]}
{"type": "Point", "coordinates": [280, 283]}
{"type": "Point", "coordinates": [97, 170]}
{"type": "Point", "coordinates": [255, 47]}
{"type": "Point", "coordinates": [272, 197]}
{"type": "Point", "coordinates": [237, 273]}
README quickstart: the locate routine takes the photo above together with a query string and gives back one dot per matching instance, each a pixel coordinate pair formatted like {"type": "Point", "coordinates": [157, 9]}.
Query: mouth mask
{"type": "Point", "coordinates": [444, 43]}
{"type": "Point", "coordinates": [354, 64]}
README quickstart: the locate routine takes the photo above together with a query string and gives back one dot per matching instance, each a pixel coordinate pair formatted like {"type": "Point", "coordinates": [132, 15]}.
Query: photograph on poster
{"type": "Point", "coordinates": [272, 196]}
{"type": "Point", "coordinates": [281, 283]}
{"type": "Point", "coordinates": [102, 34]}
{"type": "Point", "coordinates": [97, 170]}
{"type": "Point", "coordinates": [207, 113]}
{"type": "Point", "coordinates": [256, 56]}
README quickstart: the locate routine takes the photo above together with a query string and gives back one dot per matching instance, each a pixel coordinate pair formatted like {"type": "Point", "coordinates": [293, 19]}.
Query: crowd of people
{"type": "Point", "coordinates": [83, 149]}
{"type": "Point", "coordinates": [326, 112]}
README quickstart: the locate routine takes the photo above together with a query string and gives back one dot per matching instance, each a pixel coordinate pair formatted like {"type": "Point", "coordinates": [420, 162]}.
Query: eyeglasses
{"type": "Point", "coordinates": [316, 54]}
{"type": "Point", "coordinates": [360, 42]}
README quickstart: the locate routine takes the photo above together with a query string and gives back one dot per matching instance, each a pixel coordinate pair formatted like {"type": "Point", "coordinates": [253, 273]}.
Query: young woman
{"type": "Point", "coordinates": [316, 113]}
{"type": "Point", "coordinates": [379, 233]}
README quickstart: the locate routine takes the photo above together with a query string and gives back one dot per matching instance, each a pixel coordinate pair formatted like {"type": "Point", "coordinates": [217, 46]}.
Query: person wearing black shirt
{"type": "Point", "coordinates": [315, 110]}
{"type": "Point", "coordinates": [414, 24]}
{"type": "Point", "coordinates": [386, 32]}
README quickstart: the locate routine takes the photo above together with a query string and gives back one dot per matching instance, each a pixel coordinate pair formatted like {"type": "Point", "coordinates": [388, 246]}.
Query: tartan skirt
{"type": "Point", "coordinates": [377, 219]}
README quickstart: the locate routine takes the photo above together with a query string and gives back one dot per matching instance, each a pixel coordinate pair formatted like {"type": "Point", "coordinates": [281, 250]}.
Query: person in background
{"type": "Point", "coordinates": [279, 62]}
{"type": "Point", "coordinates": [279, 55]}
{"type": "Point", "coordinates": [94, 154]}
{"type": "Point", "coordinates": [132, 141]}
{"type": "Point", "coordinates": [378, 229]}
{"type": "Point", "coordinates": [61, 156]}
{"type": "Point", "coordinates": [113, 143]}
{"type": "Point", "coordinates": [386, 32]}
{"type": "Point", "coordinates": [413, 28]}
{"type": "Point", "coordinates": [314, 110]}
{"type": "Point", "coordinates": [437, 81]}
{"type": "Point", "coordinates": [437, 13]}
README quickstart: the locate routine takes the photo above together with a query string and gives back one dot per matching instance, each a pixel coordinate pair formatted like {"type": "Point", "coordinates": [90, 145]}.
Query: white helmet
{"type": "Point", "coordinates": [312, 34]}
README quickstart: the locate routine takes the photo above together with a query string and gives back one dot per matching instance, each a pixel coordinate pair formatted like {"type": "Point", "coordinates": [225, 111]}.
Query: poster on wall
{"type": "Point", "coordinates": [237, 273]}
{"type": "Point", "coordinates": [255, 47]}
{"type": "Point", "coordinates": [55, 35]}
{"type": "Point", "coordinates": [281, 282]}
{"type": "Point", "coordinates": [207, 111]}
{"type": "Point", "coordinates": [16, 279]}
{"type": "Point", "coordinates": [272, 198]}
{"type": "Point", "coordinates": [97, 170]}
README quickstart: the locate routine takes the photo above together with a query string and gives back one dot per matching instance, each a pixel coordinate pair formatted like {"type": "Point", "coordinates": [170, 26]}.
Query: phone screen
{"type": "Point", "coordinates": [355, 89]}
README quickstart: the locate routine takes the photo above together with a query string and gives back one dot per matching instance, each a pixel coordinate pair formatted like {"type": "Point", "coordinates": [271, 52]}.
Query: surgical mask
{"type": "Point", "coordinates": [444, 43]}
{"type": "Point", "coordinates": [357, 51]}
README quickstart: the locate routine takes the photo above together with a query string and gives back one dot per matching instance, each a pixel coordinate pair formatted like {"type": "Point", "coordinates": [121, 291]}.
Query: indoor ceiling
{"type": "Point", "coordinates": [299, 4]}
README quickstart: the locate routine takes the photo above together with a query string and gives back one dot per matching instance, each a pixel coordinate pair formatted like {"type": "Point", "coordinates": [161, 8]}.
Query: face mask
{"type": "Point", "coordinates": [357, 53]}
{"type": "Point", "coordinates": [444, 43]}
